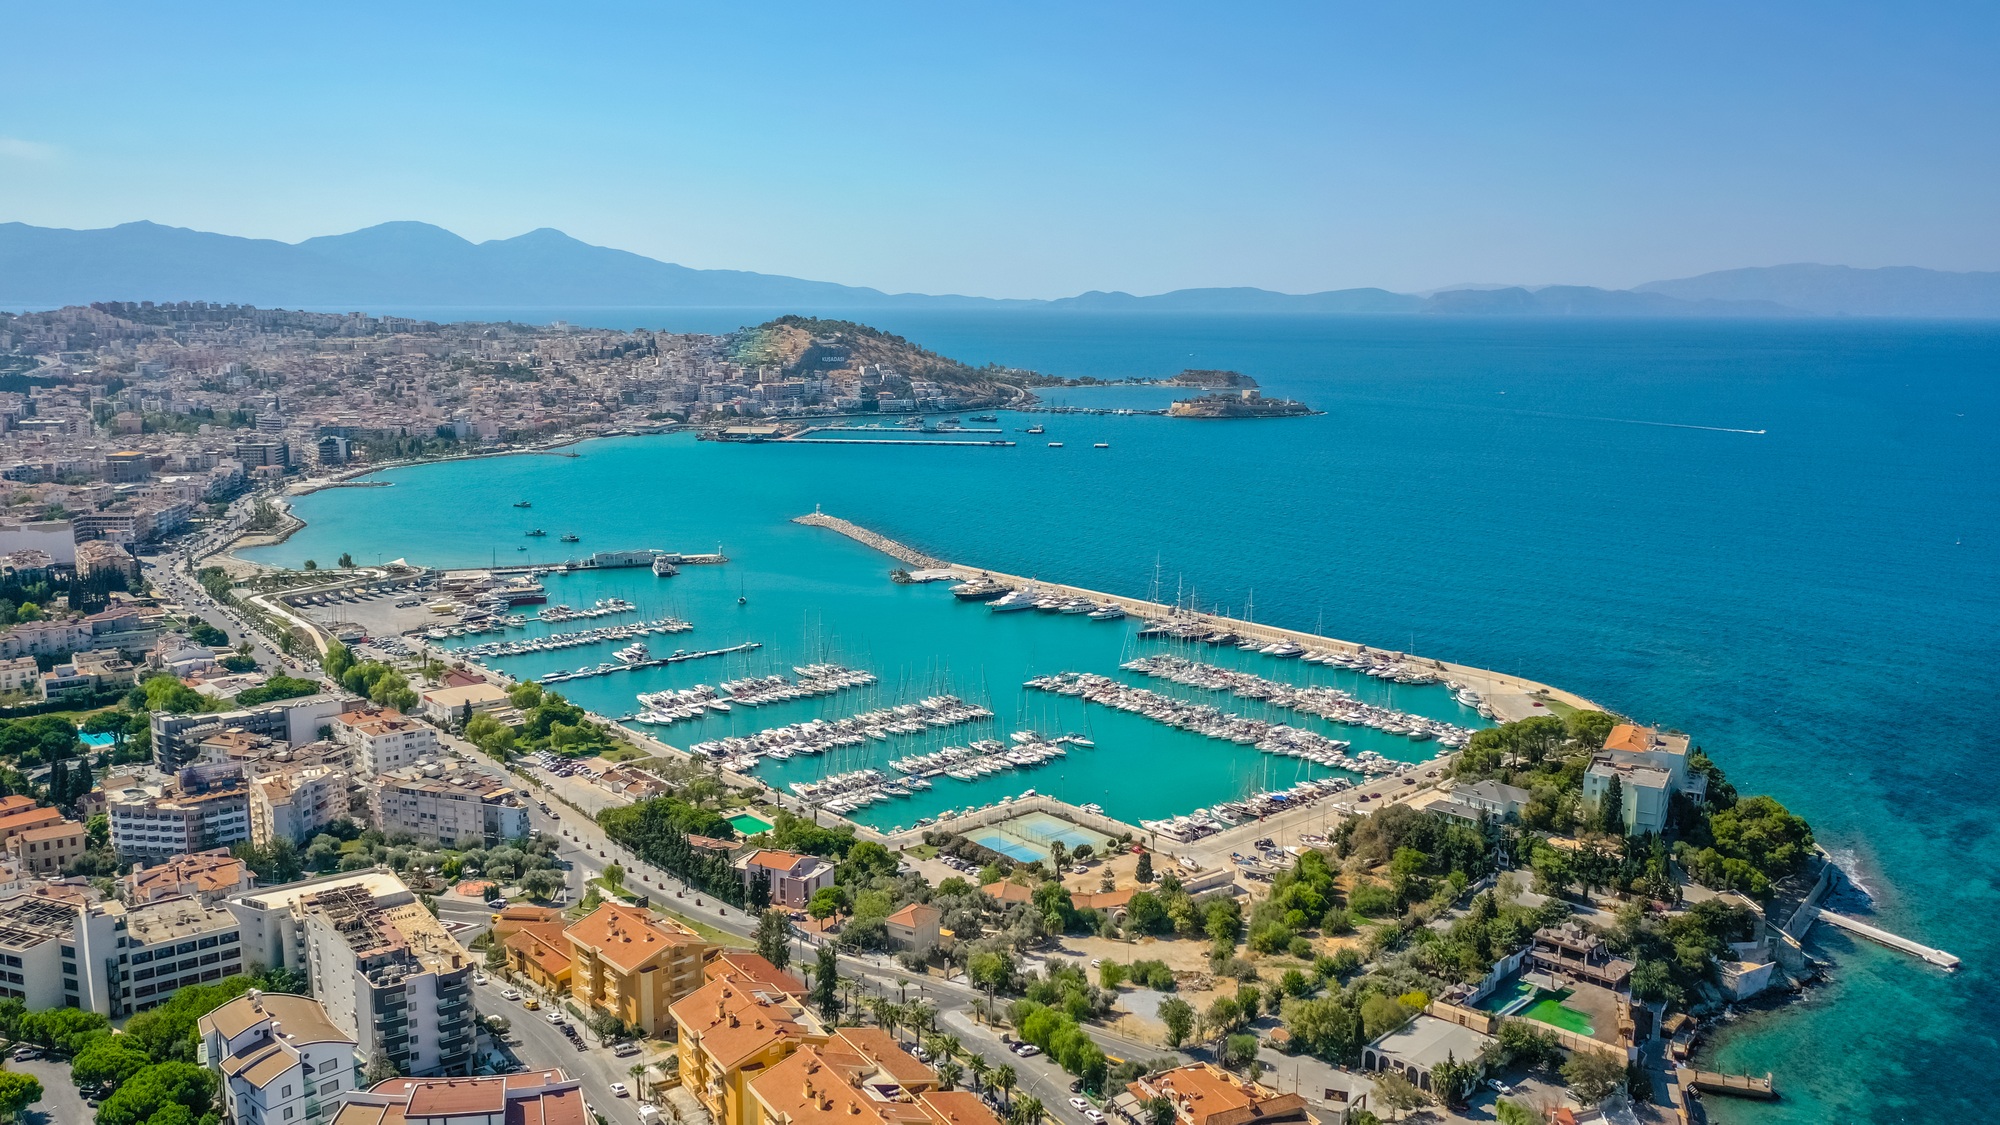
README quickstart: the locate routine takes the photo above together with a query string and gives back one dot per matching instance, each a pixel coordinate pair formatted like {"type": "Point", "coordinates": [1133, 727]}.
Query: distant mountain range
{"type": "Point", "coordinates": [410, 264]}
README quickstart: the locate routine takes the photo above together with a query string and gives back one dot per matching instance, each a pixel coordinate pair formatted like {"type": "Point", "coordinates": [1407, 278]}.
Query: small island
{"type": "Point", "coordinates": [1246, 403]}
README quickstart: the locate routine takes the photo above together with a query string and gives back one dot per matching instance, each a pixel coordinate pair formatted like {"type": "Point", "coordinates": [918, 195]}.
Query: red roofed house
{"type": "Point", "coordinates": [915, 926]}
{"type": "Point", "coordinates": [793, 877]}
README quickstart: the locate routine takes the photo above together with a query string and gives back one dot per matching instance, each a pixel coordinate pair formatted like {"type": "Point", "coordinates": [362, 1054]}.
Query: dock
{"type": "Point", "coordinates": [596, 670]}
{"type": "Point", "coordinates": [1730, 1085]}
{"type": "Point", "coordinates": [1946, 961]}
{"type": "Point", "coordinates": [1513, 697]}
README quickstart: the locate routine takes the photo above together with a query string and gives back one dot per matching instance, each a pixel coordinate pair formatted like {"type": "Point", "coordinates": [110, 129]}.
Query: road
{"type": "Point", "coordinates": [61, 1104]}
{"type": "Point", "coordinates": [540, 1045]}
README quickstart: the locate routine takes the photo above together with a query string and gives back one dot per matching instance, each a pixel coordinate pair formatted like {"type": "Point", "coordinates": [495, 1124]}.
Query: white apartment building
{"type": "Point", "coordinates": [387, 972]}
{"type": "Point", "coordinates": [385, 740]}
{"type": "Point", "coordinates": [280, 1058]}
{"type": "Point", "coordinates": [203, 807]}
{"type": "Point", "coordinates": [443, 808]}
{"type": "Point", "coordinates": [20, 674]}
{"type": "Point", "coordinates": [106, 958]}
{"type": "Point", "coordinates": [295, 803]}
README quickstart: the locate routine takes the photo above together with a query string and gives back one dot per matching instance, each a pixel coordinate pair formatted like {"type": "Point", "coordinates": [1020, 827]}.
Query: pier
{"type": "Point", "coordinates": [1512, 697]}
{"type": "Point", "coordinates": [1731, 1085]}
{"type": "Point", "coordinates": [1946, 961]}
{"type": "Point", "coordinates": [802, 440]}
{"type": "Point", "coordinates": [659, 662]}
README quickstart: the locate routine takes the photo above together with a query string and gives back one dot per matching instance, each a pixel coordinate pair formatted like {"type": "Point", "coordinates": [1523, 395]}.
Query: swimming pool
{"type": "Point", "coordinates": [1519, 998]}
{"type": "Point", "coordinates": [749, 825]}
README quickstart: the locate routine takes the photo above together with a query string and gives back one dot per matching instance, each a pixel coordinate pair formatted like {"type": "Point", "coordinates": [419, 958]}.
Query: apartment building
{"type": "Point", "coordinates": [64, 951]}
{"type": "Point", "coordinates": [48, 850]}
{"type": "Point", "coordinates": [635, 965]}
{"type": "Point", "coordinates": [44, 638]}
{"type": "Point", "coordinates": [295, 803]}
{"type": "Point", "coordinates": [442, 808]}
{"type": "Point", "coordinates": [385, 740]}
{"type": "Point", "coordinates": [860, 1076]}
{"type": "Point", "coordinates": [295, 722]}
{"type": "Point", "coordinates": [210, 876]}
{"type": "Point", "coordinates": [19, 675]}
{"type": "Point", "coordinates": [730, 1033]}
{"type": "Point", "coordinates": [1206, 1094]}
{"type": "Point", "coordinates": [201, 807]}
{"type": "Point", "coordinates": [279, 1058]}
{"type": "Point", "coordinates": [387, 972]}
{"type": "Point", "coordinates": [546, 1097]}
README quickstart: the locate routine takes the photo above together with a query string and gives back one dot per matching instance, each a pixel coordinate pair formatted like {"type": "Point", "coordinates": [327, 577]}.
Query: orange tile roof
{"type": "Point", "coordinates": [1208, 1095]}
{"type": "Point", "coordinates": [753, 969]}
{"type": "Point", "coordinates": [774, 860]}
{"type": "Point", "coordinates": [15, 802]}
{"type": "Point", "coordinates": [957, 1107]}
{"type": "Point", "coordinates": [909, 915]}
{"type": "Point", "coordinates": [30, 818]}
{"type": "Point", "coordinates": [734, 1021]}
{"type": "Point", "coordinates": [881, 1048]}
{"type": "Point", "coordinates": [1009, 892]}
{"type": "Point", "coordinates": [211, 872]}
{"type": "Point", "coordinates": [544, 943]}
{"type": "Point", "coordinates": [1629, 737]}
{"type": "Point", "coordinates": [627, 936]}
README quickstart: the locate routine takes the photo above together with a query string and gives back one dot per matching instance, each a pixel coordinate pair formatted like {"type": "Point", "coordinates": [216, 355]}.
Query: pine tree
{"type": "Point", "coordinates": [59, 783]}
{"type": "Point", "coordinates": [826, 984]}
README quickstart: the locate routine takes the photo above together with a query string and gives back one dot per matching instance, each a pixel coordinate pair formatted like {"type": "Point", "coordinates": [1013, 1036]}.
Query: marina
{"type": "Point", "coordinates": [665, 708]}
{"type": "Point", "coordinates": [634, 665]}
{"type": "Point", "coordinates": [1328, 703]}
{"type": "Point", "coordinates": [819, 736]}
{"type": "Point", "coordinates": [557, 641]}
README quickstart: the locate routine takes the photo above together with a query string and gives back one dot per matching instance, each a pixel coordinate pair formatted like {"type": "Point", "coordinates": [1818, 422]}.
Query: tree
{"type": "Point", "coordinates": [1027, 1111]}
{"type": "Point", "coordinates": [614, 876]}
{"type": "Point", "coordinates": [17, 1093]}
{"type": "Point", "coordinates": [1454, 1081]}
{"type": "Point", "coordinates": [1178, 1015]}
{"type": "Point", "coordinates": [1160, 1111]}
{"type": "Point", "coordinates": [346, 561]}
{"type": "Point", "coordinates": [311, 565]}
{"type": "Point", "coordinates": [774, 937]}
{"type": "Point", "coordinates": [948, 1073]}
{"type": "Point", "coordinates": [1239, 1051]}
{"type": "Point", "coordinates": [1593, 1075]}
{"type": "Point", "coordinates": [542, 884]}
{"type": "Point", "coordinates": [827, 901]}
{"type": "Point", "coordinates": [826, 984]}
{"type": "Point", "coordinates": [153, 1090]}
{"type": "Point", "coordinates": [380, 1069]}
{"type": "Point", "coordinates": [1399, 1094]}
{"type": "Point", "coordinates": [1144, 872]}
{"type": "Point", "coordinates": [496, 957]}
{"type": "Point", "coordinates": [1611, 808]}
{"type": "Point", "coordinates": [1003, 1080]}
{"type": "Point", "coordinates": [107, 1060]}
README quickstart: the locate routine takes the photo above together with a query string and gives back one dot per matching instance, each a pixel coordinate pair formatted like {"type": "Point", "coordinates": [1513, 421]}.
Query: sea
{"type": "Point", "coordinates": [1781, 537]}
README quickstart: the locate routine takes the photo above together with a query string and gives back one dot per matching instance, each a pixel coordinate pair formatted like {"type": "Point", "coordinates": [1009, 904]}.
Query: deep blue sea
{"type": "Point", "coordinates": [1573, 501]}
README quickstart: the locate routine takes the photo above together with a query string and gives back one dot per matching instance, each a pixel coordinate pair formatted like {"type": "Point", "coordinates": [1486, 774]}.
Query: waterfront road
{"type": "Point", "coordinates": [539, 1045]}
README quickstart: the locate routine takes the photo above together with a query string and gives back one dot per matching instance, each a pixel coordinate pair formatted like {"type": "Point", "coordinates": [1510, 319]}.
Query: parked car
{"type": "Point", "coordinates": [626, 1049]}
{"type": "Point", "coordinates": [1027, 1050]}
{"type": "Point", "coordinates": [510, 995]}
{"type": "Point", "coordinates": [1079, 1103]}
{"type": "Point", "coordinates": [555, 1016]}
{"type": "Point", "coordinates": [618, 1090]}
{"type": "Point", "coordinates": [496, 904]}
{"type": "Point", "coordinates": [1499, 1087]}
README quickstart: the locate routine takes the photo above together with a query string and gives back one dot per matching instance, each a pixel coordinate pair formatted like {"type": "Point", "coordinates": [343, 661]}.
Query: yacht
{"type": "Point", "coordinates": [633, 653]}
{"type": "Point", "coordinates": [663, 568]}
{"type": "Point", "coordinates": [1102, 445]}
{"type": "Point", "coordinates": [1077, 605]}
{"type": "Point", "coordinates": [1015, 600]}
{"type": "Point", "coordinates": [570, 538]}
{"type": "Point", "coordinates": [1055, 445]}
{"type": "Point", "coordinates": [986, 417]}
{"type": "Point", "coordinates": [537, 533]}
{"type": "Point", "coordinates": [523, 504]}
{"type": "Point", "coordinates": [978, 590]}
{"type": "Point", "coordinates": [1109, 611]}
{"type": "Point", "coordinates": [1035, 429]}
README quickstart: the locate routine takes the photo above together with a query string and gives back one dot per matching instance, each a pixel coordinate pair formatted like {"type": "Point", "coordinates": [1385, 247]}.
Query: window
{"type": "Point", "coordinates": [288, 1090]}
{"type": "Point", "coordinates": [142, 957]}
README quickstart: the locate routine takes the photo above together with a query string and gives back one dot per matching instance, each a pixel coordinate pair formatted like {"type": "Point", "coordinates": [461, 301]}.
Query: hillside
{"type": "Point", "coordinates": [803, 345]}
{"type": "Point", "coordinates": [1846, 291]}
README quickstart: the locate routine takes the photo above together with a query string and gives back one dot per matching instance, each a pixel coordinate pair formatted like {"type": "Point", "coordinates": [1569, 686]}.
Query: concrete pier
{"type": "Point", "coordinates": [1946, 961]}
{"type": "Point", "coordinates": [1512, 697]}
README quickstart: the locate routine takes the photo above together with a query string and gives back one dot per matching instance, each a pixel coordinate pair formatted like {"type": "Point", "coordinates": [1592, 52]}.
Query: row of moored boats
{"type": "Point", "coordinates": [1001, 598]}
{"type": "Point", "coordinates": [817, 736]}
{"type": "Point", "coordinates": [602, 607]}
{"type": "Point", "coordinates": [1328, 703]}
{"type": "Point", "coordinates": [556, 642]}
{"type": "Point", "coordinates": [1228, 814]}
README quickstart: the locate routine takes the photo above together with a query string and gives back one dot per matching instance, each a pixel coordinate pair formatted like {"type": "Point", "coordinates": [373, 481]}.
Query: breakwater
{"type": "Point", "coordinates": [1511, 697]}
{"type": "Point", "coordinates": [876, 540]}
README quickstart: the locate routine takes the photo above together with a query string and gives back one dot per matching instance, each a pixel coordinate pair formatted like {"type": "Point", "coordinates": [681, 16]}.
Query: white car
{"type": "Point", "coordinates": [479, 978]}
{"type": "Point", "coordinates": [1093, 1116]}
{"type": "Point", "coordinates": [511, 994]}
{"type": "Point", "coordinates": [1027, 1050]}
{"type": "Point", "coordinates": [618, 1090]}
{"type": "Point", "coordinates": [1499, 1087]}
{"type": "Point", "coordinates": [555, 1017]}
{"type": "Point", "coordinates": [1079, 1103]}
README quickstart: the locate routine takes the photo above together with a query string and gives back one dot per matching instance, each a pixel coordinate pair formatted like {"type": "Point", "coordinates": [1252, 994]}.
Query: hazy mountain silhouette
{"type": "Point", "coordinates": [407, 264]}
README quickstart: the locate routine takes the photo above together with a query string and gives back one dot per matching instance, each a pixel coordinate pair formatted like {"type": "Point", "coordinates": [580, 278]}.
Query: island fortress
{"type": "Point", "coordinates": [1247, 402]}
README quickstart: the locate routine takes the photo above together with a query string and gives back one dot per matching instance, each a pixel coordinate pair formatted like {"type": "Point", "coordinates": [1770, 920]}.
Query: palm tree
{"type": "Point", "coordinates": [1003, 1081]}
{"type": "Point", "coordinates": [950, 1041]}
{"type": "Point", "coordinates": [948, 1071]}
{"type": "Point", "coordinates": [638, 1072]}
{"type": "Point", "coordinates": [887, 1013]}
{"type": "Point", "coordinates": [921, 1015]}
{"type": "Point", "coordinates": [980, 1069]}
{"type": "Point", "coordinates": [1027, 1111]}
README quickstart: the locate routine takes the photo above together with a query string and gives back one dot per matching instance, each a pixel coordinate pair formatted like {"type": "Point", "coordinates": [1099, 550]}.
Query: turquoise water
{"type": "Point", "coordinates": [1819, 605]}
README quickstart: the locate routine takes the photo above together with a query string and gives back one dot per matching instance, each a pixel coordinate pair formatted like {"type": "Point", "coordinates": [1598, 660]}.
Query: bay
{"type": "Point", "coordinates": [1818, 604]}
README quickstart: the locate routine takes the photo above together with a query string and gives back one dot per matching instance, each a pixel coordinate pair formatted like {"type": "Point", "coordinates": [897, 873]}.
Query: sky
{"type": "Point", "coordinates": [1040, 150]}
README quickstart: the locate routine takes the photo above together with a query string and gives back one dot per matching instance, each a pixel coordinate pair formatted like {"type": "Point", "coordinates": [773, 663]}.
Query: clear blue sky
{"type": "Point", "coordinates": [1040, 150]}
